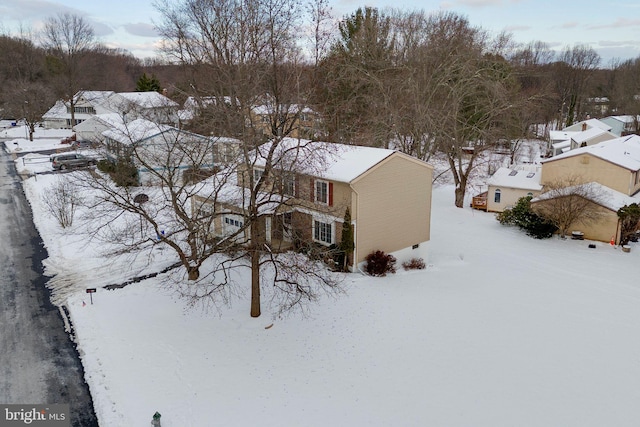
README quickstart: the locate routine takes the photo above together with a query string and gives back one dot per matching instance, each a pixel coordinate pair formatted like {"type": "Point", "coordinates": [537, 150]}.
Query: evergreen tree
{"type": "Point", "coordinates": [522, 216]}
{"type": "Point", "coordinates": [347, 244]}
{"type": "Point", "coordinates": [148, 84]}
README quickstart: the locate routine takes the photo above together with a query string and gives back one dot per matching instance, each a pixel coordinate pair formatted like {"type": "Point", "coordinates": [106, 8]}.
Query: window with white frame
{"type": "Point", "coordinates": [322, 232]}
{"type": "Point", "coordinates": [496, 196]}
{"type": "Point", "coordinates": [288, 185]}
{"type": "Point", "coordinates": [322, 192]}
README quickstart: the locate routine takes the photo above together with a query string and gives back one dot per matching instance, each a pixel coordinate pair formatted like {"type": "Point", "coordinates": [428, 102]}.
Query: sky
{"type": "Point", "coordinates": [611, 28]}
{"type": "Point", "coordinates": [499, 330]}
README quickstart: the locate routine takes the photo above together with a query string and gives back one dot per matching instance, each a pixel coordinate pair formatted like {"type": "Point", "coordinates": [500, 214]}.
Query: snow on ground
{"type": "Point", "coordinates": [499, 330]}
{"type": "Point", "coordinates": [22, 132]}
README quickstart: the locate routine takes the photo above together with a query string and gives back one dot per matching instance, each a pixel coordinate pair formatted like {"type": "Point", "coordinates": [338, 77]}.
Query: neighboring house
{"type": "Point", "coordinates": [623, 125]}
{"type": "Point", "coordinates": [598, 106]}
{"type": "Point", "coordinates": [613, 165]}
{"type": "Point", "coordinates": [92, 129]}
{"type": "Point", "coordinates": [590, 136]}
{"type": "Point", "coordinates": [587, 124]}
{"type": "Point", "coordinates": [587, 132]}
{"type": "Point", "coordinates": [303, 121]}
{"type": "Point", "coordinates": [608, 203]}
{"type": "Point", "coordinates": [162, 148]}
{"type": "Point", "coordinates": [87, 104]}
{"type": "Point", "coordinates": [151, 106]}
{"type": "Point", "coordinates": [508, 185]}
{"type": "Point", "coordinates": [130, 105]}
{"type": "Point", "coordinates": [194, 105]}
{"type": "Point", "coordinates": [388, 194]}
{"type": "Point", "coordinates": [560, 141]}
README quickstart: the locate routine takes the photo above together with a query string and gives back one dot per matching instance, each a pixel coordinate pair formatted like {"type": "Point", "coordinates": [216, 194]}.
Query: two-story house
{"type": "Point", "coordinates": [299, 121]}
{"type": "Point", "coordinates": [129, 105]}
{"type": "Point", "coordinates": [613, 165]}
{"type": "Point", "coordinates": [87, 103]}
{"type": "Point", "coordinates": [309, 188]}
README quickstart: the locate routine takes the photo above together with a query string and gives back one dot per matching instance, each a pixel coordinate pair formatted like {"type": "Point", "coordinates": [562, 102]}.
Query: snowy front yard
{"type": "Point", "coordinates": [499, 330]}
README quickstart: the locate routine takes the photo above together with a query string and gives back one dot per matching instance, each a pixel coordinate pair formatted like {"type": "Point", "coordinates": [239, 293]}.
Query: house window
{"type": "Point", "coordinates": [322, 192]}
{"type": "Point", "coordinates": [232, 222]}
{"type": "Point", "coordinates": [496, 197]}
{"type": "Point", "coordinates": [322, 232]}
{"type": "Point", "coordinates": [257, 174]}
{"type": "Point", "coordinates": [288, 185]}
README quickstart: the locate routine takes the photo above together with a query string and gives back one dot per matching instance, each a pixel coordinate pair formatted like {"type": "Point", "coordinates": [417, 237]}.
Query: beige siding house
{"type": "Point", "coordinates": [608, 203]}
{"type": "Point", "coordinates": [507, 185]}
{"type": "Point", "coordinates": [613, 166]}
{"type": "Point", "coordinates": [388, 194]}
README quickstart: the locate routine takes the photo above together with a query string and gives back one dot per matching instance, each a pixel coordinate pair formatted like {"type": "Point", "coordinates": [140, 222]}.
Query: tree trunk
{"type": "Point", "coordinates": [255, 283]}
{"type": "Point", "coordinates": [194, 273]}
{"type": "Point", "coordinates": [460, 191]}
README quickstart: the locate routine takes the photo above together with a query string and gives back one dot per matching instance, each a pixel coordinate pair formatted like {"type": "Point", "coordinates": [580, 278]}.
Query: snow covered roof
{"type": "Point", "coordinates": [94, 96]}
{"type": "Point", "coordinates": [562, 145]}
{"type": "Point", "coordinates": [261, 110]}
{"type": "Point", "coordinates": [591, 123]}
{"type": "Point", "coordinates": [223, 188]}
{"type": "Point", "coordinates": [607, 197]}
{"type": "Point", "coordinates": [588, 134]}
{"type": "Point", "coordinates": [150, 99]}
{"type": "Point", "coordinates": [58, 109]}
{"type": "Point", "coordinates": [623, 151]}
{"type": "Point", "coordinates": [515, 178]}
{"type": "Point", "coordinates": [561, 135]}
{"type": "Point", "coordinates": [135, 131]}
{"type": "Point", "coordinates": [335, 162]}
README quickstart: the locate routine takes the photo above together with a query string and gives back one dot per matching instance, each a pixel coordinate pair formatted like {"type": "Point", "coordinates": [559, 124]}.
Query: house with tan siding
{"type": "Point", "coordinates": [387, 193]}
{"type": "Point", "coordinates": [507, 185]}
{"type": "Point", "coordinates": [613, 166]}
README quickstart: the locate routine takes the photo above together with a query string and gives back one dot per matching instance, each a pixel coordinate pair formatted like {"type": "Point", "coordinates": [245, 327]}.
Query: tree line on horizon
{"type": "Point", "coordinates": [424, 83]}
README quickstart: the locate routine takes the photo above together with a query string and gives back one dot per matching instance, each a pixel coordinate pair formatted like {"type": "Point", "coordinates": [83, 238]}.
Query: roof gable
{"type": "Point", "coordinates": [330, 161]}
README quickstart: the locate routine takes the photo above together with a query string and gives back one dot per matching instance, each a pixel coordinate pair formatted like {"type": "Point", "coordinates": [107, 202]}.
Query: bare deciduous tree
{"type": "Point", "coordinates": [67, 39]}
{"type": "Point", "coordinates": [245, 55]}
{"type": "Point", "coordinates": [62, 199]}
{"type": "Point", "coordinates": [570, 202]}
{"type": "Point", "coordinates": [575, 67]}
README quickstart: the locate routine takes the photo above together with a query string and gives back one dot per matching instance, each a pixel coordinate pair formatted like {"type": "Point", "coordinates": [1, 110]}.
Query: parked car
{"type": "Point", "coordinates": [71, 160]}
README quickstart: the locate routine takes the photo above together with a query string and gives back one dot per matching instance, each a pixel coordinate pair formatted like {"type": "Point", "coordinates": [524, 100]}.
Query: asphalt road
{"type": "Point", "coordinates": [38, 361]}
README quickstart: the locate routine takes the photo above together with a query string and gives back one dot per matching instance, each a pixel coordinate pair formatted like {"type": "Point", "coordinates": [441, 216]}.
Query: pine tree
{"type": "Point", "coordinates": [148, 84]}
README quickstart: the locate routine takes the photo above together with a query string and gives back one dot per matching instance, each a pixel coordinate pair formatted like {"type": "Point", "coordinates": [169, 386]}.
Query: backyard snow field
{"type": "Point", "coordinates": [499, 330]}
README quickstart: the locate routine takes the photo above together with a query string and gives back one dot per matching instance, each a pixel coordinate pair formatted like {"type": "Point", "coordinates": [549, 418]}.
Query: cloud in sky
{"type": "Point", "coordinates": [517, 28]}
{"type": "Point", "coordinates": [141, 29]}
{"type": "Point", "coordinates": [620, 22]}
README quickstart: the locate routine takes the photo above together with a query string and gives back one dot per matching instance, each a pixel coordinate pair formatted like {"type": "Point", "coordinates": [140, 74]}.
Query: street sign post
{"type": "Point", "coordinates": [91, 291]}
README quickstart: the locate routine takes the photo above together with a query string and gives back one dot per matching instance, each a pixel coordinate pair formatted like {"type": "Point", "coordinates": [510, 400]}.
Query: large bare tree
{"type": "Point", "coordinates": [570, 202]}
{"type": "Point", "coordinates": [68, 39]}
{"type": "Point", "coordinates": [572, 72]}
{"type": "Point", "coordinates": [244, 58]}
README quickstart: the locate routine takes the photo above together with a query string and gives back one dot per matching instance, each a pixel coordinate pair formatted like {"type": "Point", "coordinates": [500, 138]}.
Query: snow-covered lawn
{"type": "Point", "coordinates": [499, 330]}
